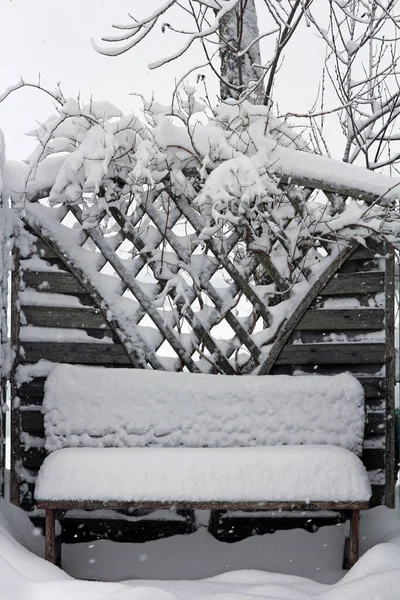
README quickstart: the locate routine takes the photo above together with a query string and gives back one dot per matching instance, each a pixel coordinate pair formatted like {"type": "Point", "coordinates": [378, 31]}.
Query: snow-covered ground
{"type": "Point", "coordinates": [287, 565]}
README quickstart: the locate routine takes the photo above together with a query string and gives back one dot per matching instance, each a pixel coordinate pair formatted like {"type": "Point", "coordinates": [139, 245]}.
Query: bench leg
{"type": "Point", "coordinates": [351, 546]}
{"type": "Point", "coordinates": [52, 543]}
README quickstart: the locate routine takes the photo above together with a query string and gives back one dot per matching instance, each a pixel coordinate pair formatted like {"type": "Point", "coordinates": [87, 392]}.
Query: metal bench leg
{"type": "Point", "coordinates": [351, 546]}
{"type": "Point", "coordinates": [52, 543]}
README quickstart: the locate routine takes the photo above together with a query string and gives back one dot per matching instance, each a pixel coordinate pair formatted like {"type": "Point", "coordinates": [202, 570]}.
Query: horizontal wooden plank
{"type": "Point", "coordinates": [32, 458]}
{"type": "Point", "coordinates": [378, 495]}
{"type": "Point", "coordinates": [342, 319]}
{"type": "Point", "coordinates": [373, 458]}
{"type": "Point", "coordinates": [354, 283]}
{"type": "Point", "coordinates": [31, 392]}
{"type": "Point", "coordinates": [349, 336]}
{"type": "Point", "coordinates": [32, 422]}
{"type": "Point", "coordinates": [362, 265]}
{"type": "Point", "coordinates": [358, 301]}
{"type": "Point", "coordinates": [201, 505]}
{"type": "Point", "coordinates": [374, 387]}
{"type": "Point", "coordinates": [64, 316]}
{"type": "Point", "coordinates": [74, 353]}
{"type": "Point", "coordinates": [55, 282]}
{"type": "Point", "coordinates": [375, 248]}
{"type": "Point", "coordinates": [375, 424]}
{"type": "Point", "coordinates": [338, 354]}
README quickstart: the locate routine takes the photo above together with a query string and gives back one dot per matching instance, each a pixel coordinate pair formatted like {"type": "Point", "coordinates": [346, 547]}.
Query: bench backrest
{"type": "Point", "coordinates": [99, 407]}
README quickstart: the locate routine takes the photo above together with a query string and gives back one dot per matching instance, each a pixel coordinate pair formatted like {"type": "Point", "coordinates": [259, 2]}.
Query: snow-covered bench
{"type": "Point", "coordinates": [125, 438]}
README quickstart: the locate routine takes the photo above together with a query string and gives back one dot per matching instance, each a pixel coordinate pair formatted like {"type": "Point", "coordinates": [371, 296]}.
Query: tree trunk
{"type": "Point", "coordinates": [238, 29]}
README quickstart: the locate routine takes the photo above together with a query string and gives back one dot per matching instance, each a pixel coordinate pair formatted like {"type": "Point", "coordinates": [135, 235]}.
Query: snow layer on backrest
{"type": "Point", "coordinates": [99, 407]}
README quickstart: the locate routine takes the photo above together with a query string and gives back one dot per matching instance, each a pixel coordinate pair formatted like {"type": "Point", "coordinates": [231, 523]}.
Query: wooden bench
{"type": "Point", "coordinates": [124, 438]}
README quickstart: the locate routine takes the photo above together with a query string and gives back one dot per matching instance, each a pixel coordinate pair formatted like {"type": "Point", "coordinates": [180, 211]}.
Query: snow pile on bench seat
{"type": "Point", "coordinates": [285, 473]}
{"type": "Point", "coordinates": [99, 407]}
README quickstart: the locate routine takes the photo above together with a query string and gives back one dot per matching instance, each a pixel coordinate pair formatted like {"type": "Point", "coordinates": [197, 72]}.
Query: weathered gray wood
{"type": "Point", "coordinates": [65, 316]}
{"type": "Point", "coordinates": [354, 537]}
{"type": "Point", "coordinates": [76, 353]}
{"type": "Point", "coordinates": [374, 387]}
{"type": "Point", "coordinates": [15, 412]}
{"type": "Point", "coordinates": [32, 422]}
{"type": "Point", "coordinates": [54, 282]}
{"type": "Point", "coordinates": [378, 495]}
{"type": "Point", "coordinates": [137, 351]}
{"type": "Point", "coordinates": [201, 333]}
{"type": "Point", "coordinates": [361, 266]}
{"type": "Point", "coordinates": [354, 283]}
{"type": "Point", "coordinates": [339, 354]}
{"type": "Point", "coordinates": [50, 537]}
{"type": "Point", "coordinates": [287, 327]}
{"type": "Point", "coordinates": [345, 336]}
{"type": "Point", "coordinates": [342, 319]}
{"type": "Point", "coordinates": [130, 282]}
{"type": "Point", "coordinates": [373, 252]}
{"type": "Point", "coordinates": [375, 424]}
{"type": "Point", "coordinates": [43, 250]}
{"type": "Point", "coordinates": [391, 466]}
{"type": "Point", "coordinates": [352, 543]}
{"type": "Point", "coordinates": [373, 458]}
{"type": "Point", "coordinates": [200, 505]}
{"type": "Point", "coordinates": [32, 458]}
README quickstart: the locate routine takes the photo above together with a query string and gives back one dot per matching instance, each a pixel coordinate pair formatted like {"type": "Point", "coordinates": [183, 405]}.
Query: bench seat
{"type": "Point", "coordinates": [162, 475]}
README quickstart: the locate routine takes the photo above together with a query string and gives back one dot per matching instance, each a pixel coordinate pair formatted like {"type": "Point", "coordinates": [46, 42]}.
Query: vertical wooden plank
{"type": "Point", "coordinates": [3, 336]}
{"type": "Point", "coordinates": [2, 437]}
{"type": "Point", "coordinates": [390, 459]}
{"type": "Point", "coordinates": [15, 412]}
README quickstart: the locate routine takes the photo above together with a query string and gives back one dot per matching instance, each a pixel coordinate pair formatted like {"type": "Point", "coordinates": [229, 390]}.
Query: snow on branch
{"type": "Point", "coordinates": [236, 174]}
{"type": "Point", "coordinates": [135, 32]}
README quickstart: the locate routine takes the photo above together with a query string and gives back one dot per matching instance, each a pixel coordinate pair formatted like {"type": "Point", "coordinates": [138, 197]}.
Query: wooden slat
{"type": "Point", "coordinates": [349, 336]}
{"type": "Point", "coordinates": [374, 250]}
{"type": "Point", "coordinates": [375, 424]}
{"type": "Point", "coordinates": [32, 458]}
{"type": "Point", "coordinates": [342, 319]}
{"type": "Point", "coordinates": [373, 458]}
{"type": "Point", "coordinates": [32, 422]}
{"type": "Point", "coordinates": [55, 282]}
{"type": "Point", "coordinates": [31, 392]}
{"type": "Point", "coordinates": [200, 505]}
{"type": "Point", "coordinates": [74, 353]}
{"type": "Point", "coordinates": [339, 354]}
{"type": "Point", "coordinates": [378, 495]}
{"type": "Point", "coordinates": [15, 344]}
{"type": "Point", "coordinates": [391, 467]}
{"type": "Point", "coordinates": [374, 387]}
{"type": "Point", "coordinates": [64, 316]}
{"type": "Point", "coordinates": [43, 250]}
{"type": "Point", "coordinates": [361, 266]}
{"type": "Point", "coordinates": [354, 283]}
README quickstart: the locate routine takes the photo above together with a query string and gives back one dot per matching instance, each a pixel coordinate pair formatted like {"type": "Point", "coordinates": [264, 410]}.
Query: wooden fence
{"type": "Point", "coordinates": [349, 326]}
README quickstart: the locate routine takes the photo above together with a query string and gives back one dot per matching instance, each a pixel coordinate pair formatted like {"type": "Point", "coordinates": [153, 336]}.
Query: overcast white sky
{"type": "Point", "coordinates": [52, 38]}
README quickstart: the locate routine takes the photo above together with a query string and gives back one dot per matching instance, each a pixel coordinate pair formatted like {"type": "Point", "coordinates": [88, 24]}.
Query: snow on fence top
{"type": "Point", "coordinates": [99, 407]}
